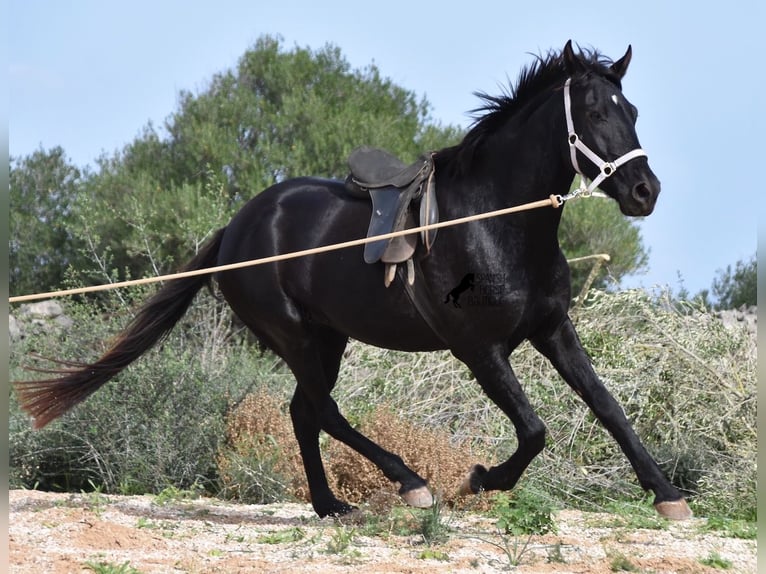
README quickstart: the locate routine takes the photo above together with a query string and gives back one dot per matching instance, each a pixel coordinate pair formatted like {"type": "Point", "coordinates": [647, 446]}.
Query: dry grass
{"type": "Point", "coordinates": [262, 462]}
{"type": "Point", "coordinates": [430, 452]}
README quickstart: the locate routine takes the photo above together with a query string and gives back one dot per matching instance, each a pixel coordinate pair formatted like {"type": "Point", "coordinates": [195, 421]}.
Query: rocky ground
{"type": "Point", "coordinates": [65, 533]}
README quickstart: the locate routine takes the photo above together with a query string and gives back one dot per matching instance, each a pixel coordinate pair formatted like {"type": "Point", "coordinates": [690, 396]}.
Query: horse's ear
{"type": "Point", "coordinates": [571, 60]}
{"type": "Point", "coordinates": [621, 66]}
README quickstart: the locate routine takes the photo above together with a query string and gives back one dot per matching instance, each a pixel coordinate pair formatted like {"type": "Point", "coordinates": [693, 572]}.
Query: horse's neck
{"type": "Point", "coordinates": [519, 164]}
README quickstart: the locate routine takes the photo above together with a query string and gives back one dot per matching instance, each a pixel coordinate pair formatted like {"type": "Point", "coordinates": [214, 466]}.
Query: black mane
{"type": "Point", "coordinates": [542, 74]}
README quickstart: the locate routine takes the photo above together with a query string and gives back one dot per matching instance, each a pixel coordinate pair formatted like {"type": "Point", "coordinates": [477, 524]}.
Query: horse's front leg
{"type": "Point", "coordinates": [563, 348]}
{"type": "Point", "coordinates": [496, 377]}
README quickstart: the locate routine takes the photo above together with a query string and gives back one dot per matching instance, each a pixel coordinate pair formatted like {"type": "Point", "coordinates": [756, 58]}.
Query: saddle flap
{"type": "Point", "coordinates": [385, 202]}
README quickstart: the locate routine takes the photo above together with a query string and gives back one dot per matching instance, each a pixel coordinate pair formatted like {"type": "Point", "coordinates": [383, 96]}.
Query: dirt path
{"type": "Point", "coordinates": [60, 533]}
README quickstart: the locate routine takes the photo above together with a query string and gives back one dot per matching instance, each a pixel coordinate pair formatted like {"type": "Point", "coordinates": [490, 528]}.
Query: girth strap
{"type": "Point", "coordinates": [421, 298]}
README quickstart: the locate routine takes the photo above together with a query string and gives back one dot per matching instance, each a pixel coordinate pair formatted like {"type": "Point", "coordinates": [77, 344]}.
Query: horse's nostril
{"type": "Point", "coordinates": [642, 192]}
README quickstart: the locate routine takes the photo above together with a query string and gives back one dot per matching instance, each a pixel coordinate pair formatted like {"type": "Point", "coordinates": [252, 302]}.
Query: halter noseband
{"type": "Point", "coordinates": [607, 168]}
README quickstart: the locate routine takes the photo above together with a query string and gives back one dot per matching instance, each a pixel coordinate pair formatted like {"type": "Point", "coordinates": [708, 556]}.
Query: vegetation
{"type": "Point", "coordinates": [597, 226]}
{"type": "Point", "coordinates": [44, 188]}
{"type": "Point", "coordinates": [110, 568]}
{"type": "Point", "coordinates": [524, 513]}
{"type": "Point", "coordinates": [733, 288]}
{"type": "Point", "coordinates": [715, 560]}
{"type": "Point", "coordinates": [208, 410]}
{"type": "Point", "coordinates": [621, 563]}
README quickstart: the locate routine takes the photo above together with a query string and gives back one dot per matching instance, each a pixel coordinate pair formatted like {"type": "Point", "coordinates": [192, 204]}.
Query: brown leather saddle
{"type": "Point", "coordinates": [397, 191]}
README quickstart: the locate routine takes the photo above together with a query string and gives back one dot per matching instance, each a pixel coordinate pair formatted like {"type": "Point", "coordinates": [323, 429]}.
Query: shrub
{"type": "Point", "coordinates": [160, 422]}
{"type": "Point", "coordinates": [260, 462]}
{"type": "Point", "coordinates": [431, 452]}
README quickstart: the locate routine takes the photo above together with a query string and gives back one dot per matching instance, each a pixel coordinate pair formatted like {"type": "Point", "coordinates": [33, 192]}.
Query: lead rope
{"type": "Point", "coordinates": [554, 201]}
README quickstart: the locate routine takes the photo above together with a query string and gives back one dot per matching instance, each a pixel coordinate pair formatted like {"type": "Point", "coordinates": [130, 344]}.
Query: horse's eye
{"type": "Point", "coordinates": [595, 116]}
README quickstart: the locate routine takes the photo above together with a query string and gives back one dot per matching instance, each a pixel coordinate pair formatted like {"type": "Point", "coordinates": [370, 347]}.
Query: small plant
{"type": "Point", "coordinates": [514, 548]}
{"type": "Point", "coordinates": [95, 500]}
{"type": "Point", "coordinates": [432, 527]}
{"type": "Point", "coordinates": [555, 555]}
{"type": "Point", "coordinates": [715, 560]}
{"type": "Point", "coordinates": [144, 522]}
{"type": "Point", "coordinates": [523, 512]}
{"type": "Point", "coordinates": [733, 528]}
{"type": "Point", "coordinates": [166, 527]}
{"type": "Point", "coordinates": [429, 523]}
{"type": "Point", "coordinates": [433, 554]}
{"type": "Point", "coordinates": [633, 515]}
{"type": "Point", "coordinates": [395, 521]}
{"type": "Point", "coordinates": [340, 540]}
{"type": "Point", "coordinates": [520, 515]}
{"type": "Point", "coordinates": [621, 563]}
{"type": "Point", "coordinates": [231, 537]}
{"type": "Point", "coordinates": [282, 536]}
{"type": "Point", "coordinates": [171, 494]}
{"type": "Point", "coordinates": [109, 568]}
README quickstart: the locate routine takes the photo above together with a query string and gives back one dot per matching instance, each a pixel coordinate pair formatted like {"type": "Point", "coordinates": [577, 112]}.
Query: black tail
{"type": "Point", "coordinates": [48, 399]}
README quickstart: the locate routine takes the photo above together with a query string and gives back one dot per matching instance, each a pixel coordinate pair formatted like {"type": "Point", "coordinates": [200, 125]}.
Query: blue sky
{"type": "Point", "coordinates": [89, 74]}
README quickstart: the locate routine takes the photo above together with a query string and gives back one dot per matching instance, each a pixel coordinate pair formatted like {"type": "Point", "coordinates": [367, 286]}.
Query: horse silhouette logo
{"type": "Point", "coordinates": [466, 283]}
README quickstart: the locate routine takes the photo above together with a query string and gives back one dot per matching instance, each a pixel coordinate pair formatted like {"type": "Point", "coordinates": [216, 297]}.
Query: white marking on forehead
{"type": "Point", "coordinates": [614, 99]}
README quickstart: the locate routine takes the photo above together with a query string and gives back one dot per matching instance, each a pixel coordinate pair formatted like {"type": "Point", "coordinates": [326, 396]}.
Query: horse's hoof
{"type": "Point", "coordinates": [465, 487]}
{"type": "Point", "coordinates": [472, 483]}
{"type": "Point", "coordinates": [674, 509]}
{"type": "Point", "coordinates": [418, 497]}
{"type": "Point", "coordinates": [335, 509]}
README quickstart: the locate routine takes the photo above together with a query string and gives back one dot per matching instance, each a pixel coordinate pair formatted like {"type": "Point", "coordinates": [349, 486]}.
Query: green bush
{"type": "Point", "coordinates": [524, 512]}
{"type": "Point", "coordinates": [161, 422]}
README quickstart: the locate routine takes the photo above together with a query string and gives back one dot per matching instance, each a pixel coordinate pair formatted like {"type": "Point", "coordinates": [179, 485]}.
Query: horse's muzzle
{"type": "Point", "coordinates": [641, 199]}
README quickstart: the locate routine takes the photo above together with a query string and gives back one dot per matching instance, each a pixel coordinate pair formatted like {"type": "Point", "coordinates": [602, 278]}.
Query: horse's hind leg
{"type": "Point", "coordinates": [306, 427]}
{"type": "Point", "coordinates": [315, 363]}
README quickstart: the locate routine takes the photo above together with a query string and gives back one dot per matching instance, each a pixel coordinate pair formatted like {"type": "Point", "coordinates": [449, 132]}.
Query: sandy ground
{"type": "Point", "coordinates": [63, 533]}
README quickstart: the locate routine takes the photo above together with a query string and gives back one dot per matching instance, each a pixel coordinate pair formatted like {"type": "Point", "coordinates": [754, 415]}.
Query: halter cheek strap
{"type": "Point", "coordinates": [606, 168]}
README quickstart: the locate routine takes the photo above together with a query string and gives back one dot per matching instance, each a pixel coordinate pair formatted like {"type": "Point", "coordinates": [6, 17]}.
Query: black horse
{"type": "Point", "coordinates": [564, 114]}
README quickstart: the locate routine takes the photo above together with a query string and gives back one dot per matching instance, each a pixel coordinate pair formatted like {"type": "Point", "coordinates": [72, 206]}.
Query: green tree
{"type": "Point", "coordinates": [281, 114]}
{"type": "Point", "coordinates": [277, 114]}
{"type": "Point", "coordinates": [43, 188]}
{"type": "Point", "coordinates": [594, 225]}
{"type": "Point", "coordinates": [733, 288]}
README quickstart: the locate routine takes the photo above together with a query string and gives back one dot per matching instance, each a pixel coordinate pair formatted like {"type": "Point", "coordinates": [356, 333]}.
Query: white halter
{"type": "Point", "coordinates": [607, 168]}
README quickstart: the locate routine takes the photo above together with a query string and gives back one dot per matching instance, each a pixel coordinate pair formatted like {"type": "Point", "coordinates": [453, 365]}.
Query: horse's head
{"type": "Point", "coordinates": [602, 140]}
